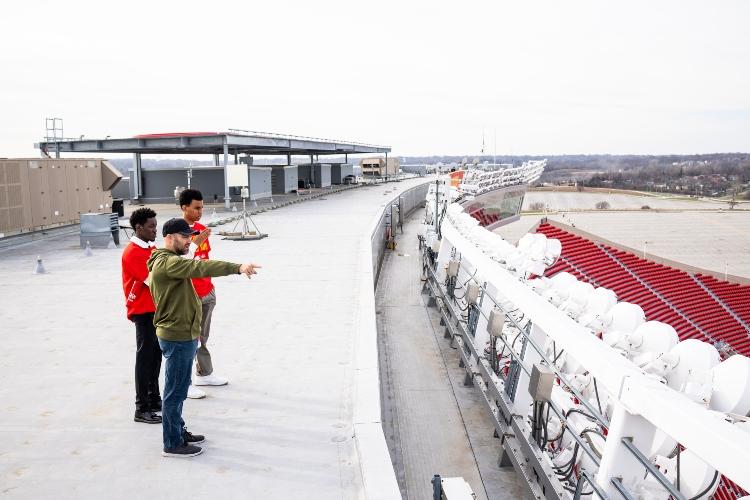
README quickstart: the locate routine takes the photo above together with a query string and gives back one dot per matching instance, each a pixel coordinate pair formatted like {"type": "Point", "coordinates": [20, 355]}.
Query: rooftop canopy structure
{"type": "Point", "coordinates": [233, 141]}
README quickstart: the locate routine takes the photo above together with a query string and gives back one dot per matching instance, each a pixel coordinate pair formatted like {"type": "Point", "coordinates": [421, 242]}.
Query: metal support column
{"type": "Point", "coordinates": [312, 174]}
{"type": "Point", "coordinates": [386, 166]}
{"type": "Point", "coordinates": [226, 180]}
{"type": "Point", "coordinates": [136, 183]}
{"type": "Point", "coordinates": [288, 159]}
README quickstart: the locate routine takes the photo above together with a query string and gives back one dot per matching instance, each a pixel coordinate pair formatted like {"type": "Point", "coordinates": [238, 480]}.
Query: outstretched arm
{"type": "Point", "coordinates": [178, 267]}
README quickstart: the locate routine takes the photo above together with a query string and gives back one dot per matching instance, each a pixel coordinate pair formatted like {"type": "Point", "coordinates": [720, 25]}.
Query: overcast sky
{"type": "Point", "coordinates": [425, 77]}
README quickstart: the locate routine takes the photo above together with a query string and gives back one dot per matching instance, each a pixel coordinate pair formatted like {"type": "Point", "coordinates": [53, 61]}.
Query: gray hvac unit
{"type": "Point", "coordinates": [260, 182]}
{"type": "Point", "coordinates": [99, 229]}
{"type": "Point", "coordinates": [322, 175]}
{"type": "Point", "coordinates": [319, 174]}
{"type": "Point", "coordinates": [283, 179]}
{"type": "Point", "coordinates": [339, 171]}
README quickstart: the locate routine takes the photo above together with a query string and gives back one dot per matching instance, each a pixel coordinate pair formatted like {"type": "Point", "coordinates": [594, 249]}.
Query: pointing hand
{"type": "Point", "coordinates": [249, 269]}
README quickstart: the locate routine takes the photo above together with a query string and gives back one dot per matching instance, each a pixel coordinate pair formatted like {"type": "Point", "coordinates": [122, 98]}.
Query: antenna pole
{"type": "Point", "coordinates": [494, 151]}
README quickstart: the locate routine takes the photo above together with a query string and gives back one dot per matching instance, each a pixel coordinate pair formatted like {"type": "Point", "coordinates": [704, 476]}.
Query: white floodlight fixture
{"type": "Point", "coordinates": [531, 267]}
{"type": "Point", "coordinates": [626, 317]}
{"type": "Point", "coordinates": [540, 284]}
{"type": "Point", "coordinates": [553, 251]}
{"type": "Point", "coordinates": [538, 248]}
{"type": "Point", "coordinates": [598, 305]}
{"type": "Point", "coordinates": [563, 281]}
{"type": "Point", "coordinates": [653, 337]}
{"type": "Point", "coordinates": [526, 241]}
{"type": "Point", "coordinates": [514, 260]}
{"type": "Point", "coordinates": [578, 294]}
{"type": "Point", "coordinates": [731, 386]}
{"type": "Point", "coordinates": [558, 292]}
{"type": "Point", "coordinates": [692, 373]}
{"type": "Point", "coordinates": [502, 250]}
{"type": "Point", "coordinates": [601, 300]}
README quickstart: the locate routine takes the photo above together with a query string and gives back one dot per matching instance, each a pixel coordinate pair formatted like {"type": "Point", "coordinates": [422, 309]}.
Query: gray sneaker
{"type": "Point", "coordinates": [185, 451]}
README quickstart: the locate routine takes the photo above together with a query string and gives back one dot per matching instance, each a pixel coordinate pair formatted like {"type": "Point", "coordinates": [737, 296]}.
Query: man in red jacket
{"type": "Point", "coordinates": [140, 308]}
{"type": "Point", "coordinates": [191, 203]}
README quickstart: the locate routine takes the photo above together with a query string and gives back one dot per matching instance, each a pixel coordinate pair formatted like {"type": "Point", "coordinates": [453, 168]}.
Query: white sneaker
{"type": "Point", "coordinates": [209, 380]}
{"type": "Point", "coordinates": [194, 393]}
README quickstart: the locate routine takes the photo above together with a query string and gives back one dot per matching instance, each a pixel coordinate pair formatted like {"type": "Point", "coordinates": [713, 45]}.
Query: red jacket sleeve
{"type": "Point", "coordinates": [134, 266]}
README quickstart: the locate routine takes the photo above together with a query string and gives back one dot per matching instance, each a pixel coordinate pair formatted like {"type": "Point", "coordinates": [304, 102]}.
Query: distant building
{"type": "Point", "coordinates": [379, 166]}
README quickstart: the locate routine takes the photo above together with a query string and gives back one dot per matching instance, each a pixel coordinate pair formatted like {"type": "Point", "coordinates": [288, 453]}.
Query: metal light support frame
{"type": "Point", "coordinates": [641, 403]}
{"type": "Point", "coordinates": [501, 396]}
{"type": "Point", "coordinates": [514, 431]}
{"type": "Point", "coordinates": [524, 454]}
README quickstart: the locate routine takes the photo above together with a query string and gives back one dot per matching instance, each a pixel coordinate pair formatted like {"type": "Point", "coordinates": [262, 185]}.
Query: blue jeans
{"type": "Point", "coordinates": [179, 356]}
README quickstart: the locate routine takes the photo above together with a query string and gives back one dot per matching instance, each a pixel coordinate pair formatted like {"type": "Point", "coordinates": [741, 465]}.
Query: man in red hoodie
{"type": "Point", "coordinates": [191, 203]}
{"type": "Point", "coordinates": [140, 309]}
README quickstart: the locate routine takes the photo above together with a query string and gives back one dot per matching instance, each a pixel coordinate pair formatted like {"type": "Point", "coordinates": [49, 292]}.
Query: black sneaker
{"type": "Point", "coordinates": [147, 417]}
{"type": "Point", "coordinates": [191, 438]}
{"type": "Point", "coordinates": [184, 451]}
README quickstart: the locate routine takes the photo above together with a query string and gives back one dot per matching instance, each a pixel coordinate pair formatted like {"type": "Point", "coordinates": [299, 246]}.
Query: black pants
{"type": "Point", "coordinates": [147, 364]}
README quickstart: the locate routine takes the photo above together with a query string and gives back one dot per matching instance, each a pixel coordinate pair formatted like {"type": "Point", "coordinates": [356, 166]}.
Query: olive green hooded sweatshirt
{"type": "Point", "coordinates": [178, 308]}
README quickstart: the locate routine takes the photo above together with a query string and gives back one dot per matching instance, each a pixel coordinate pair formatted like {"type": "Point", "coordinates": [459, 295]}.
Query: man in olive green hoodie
{"type": "Point", "coordinates": [178, 325]}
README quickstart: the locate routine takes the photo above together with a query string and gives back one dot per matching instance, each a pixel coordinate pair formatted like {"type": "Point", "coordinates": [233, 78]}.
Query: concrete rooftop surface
{"type": "Point", "coordinates": [282, 428]}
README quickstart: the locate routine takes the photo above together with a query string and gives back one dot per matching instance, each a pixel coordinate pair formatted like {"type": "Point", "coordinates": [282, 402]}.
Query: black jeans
{"type": "Point", "coordinates": [147, 364]}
